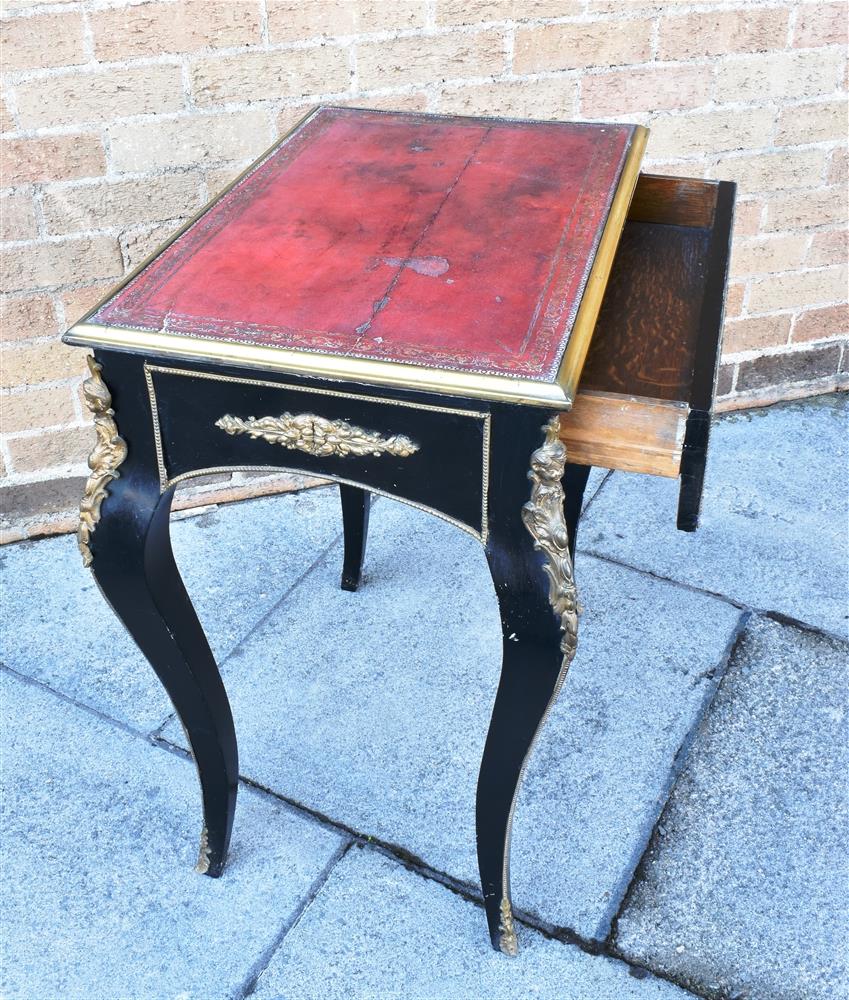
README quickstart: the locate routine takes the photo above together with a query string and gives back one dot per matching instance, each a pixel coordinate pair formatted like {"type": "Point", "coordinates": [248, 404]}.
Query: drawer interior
{"type": "Point", "coordinates": [647, 387]}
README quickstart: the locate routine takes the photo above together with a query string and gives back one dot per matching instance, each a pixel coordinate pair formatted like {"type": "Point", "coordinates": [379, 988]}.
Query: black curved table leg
{"type": "Point", "coordinates": [531, 564]}
{"type": "Point", "coordinates": [124, 537]}
{"type": "Point", "coordinates": [355, 511]}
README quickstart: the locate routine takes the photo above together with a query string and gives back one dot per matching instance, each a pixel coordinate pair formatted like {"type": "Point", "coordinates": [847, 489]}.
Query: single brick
{"type": "Point", "coordinates": [838, 168]}
{"type": "Point", "coordinates": [820, 24]}
{"type": "Point", "coordinates": [26, 316]}
{"type": "Point", "coordinates": [29, 364]}
{"type": "Point", "coordinates": [7, 122]}
{"type": "Point", "coordinates": [715, 33]}
{"type": "Point", "coordinates": [686, 135]}
{"type": "Point", "coordinates": [821, 207]}
{"type": "Point", "coordinates": [132, 31]}
{"type": "Point", "coordinates": [378, 15]}
{"type": "Point", "coordinates": [403, 61]}
{"type": "Point", "coordinates": [822, 324]}
{"type": "Point", "coordinates": [811, 123]}
{"type": "Point", "coordinates": [17, 217]}
{"type": "Point", "coordinates": [793, 290]}
{"type": "Point", "coordinates": [766, 254]}
{"type": "Point", "coordinates": [45, 497]}
{"type": "Point", "coordinates": [794, 168]}
{"type": "Point", "coordinates": [294, 20]}
{"type": "Point", "coordinates": [97, 96]}
{"type": "Point", "coordinates": [734, 298]}
{"type": "Point", "coordinates": [791, 366]}
{"type": "Point", "coordinates": [111, 204]}
{"type": "Point", "coordinates": [65, 262]}
{"type": "Point", "coordinates": [615, 6]}
{"type": "Point", "coordinates": [252, 75]}
{"type": "Point", "coordinates": [547, 98]}
{"type": "Point", "coordinates": [476, 11]}
{"type": "Point", "coordinates": [662, 87]}
{"type": "Point", "coordinates": [778, 75]}
{"type": "Point", "coordinates": [201, 140]}
{"type": "Point", "coordinates": [755, 333]}
{"type": "Point", "coordinates": [52, 406]}
{"type": "Point", "coordinates": [51, 449]}
{"type": "Point", "coordinates": [51, 158]}
{"type": "Point", "coordinates": [574, 46]}
{"type": "Point", "coordinates": [747, 218]}
{"type": "Point", "coordinates": [830, 247]}
{"type": "Point", "coordinates": [43, 41]}
{"type": "Point", "coordinates": [724, 380]}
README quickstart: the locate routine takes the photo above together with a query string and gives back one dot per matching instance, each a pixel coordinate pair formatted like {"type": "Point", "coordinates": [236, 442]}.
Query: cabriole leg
{"type": "Point", "coordinates": [531, 564]}
{"type": "Point", "coordinates": [124, 538]}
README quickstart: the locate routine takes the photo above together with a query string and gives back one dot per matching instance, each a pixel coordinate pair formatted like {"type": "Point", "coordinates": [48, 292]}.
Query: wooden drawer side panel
{"type": "Point", "coordinates": [618, 432]}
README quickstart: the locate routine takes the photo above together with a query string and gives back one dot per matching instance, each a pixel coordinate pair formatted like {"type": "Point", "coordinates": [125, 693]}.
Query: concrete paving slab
{"type": "Point", "coordinates": [99, 840]}
{"type": "Point", "coordinates": [372, 708]}
{"type": "Point", "coordinates": [237, 562]}
{"type": "Point", "coordinates": [773, 533]}
{"type": "Point", "coordinates": [594, 484]}
{"type": "Point", "coordinates": [744, 890]}
{"type": "Point", "coordinates": [378, 930]}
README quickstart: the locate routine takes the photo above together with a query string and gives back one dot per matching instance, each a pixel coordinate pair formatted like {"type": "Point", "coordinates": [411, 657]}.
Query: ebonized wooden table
{"type": "Point", "coordinates": [434, 309]}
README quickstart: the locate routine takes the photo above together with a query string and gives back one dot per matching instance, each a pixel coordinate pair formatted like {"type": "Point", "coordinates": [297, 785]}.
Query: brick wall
{"type": "Point", "coordinates": [120, 120]}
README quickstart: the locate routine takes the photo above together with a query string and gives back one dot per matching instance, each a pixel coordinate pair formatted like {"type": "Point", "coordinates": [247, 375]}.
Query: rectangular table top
{"type": "Point", "coordinates": [397, 247]}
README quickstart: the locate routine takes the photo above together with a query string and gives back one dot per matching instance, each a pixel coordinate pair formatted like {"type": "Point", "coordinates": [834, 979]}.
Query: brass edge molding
{"type": "Point", "coordinates": [575, 355]}
{"type": "Point", "coordinates": [543, 516]}
{"type": "Point", "coordinates": [157, 433]}
{"type": "Point", "coordinates": [507, 942]}
{"type": "Point", "coordinates": [167, 482]}
{"type": "Point", "coordinates": [109, 452]}
{"type": "Point", "coordinates": [317, 435]}
{"type": "Point", "coordinates": [500, 388]}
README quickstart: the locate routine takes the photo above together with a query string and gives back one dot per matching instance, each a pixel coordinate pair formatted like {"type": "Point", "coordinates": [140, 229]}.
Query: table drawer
{"type": "Point", "coordinates": [647, 388]}
{"type": "Point", "coordinates": [434, 456]}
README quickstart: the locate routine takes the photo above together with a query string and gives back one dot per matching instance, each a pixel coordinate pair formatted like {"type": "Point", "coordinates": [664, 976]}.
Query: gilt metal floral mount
{"type": "Point", "coordinates": [106, 456]}
{"type": "Point", "coordinates": [544, 517]}
{"type": "Point", "coordinates": [318, 436]}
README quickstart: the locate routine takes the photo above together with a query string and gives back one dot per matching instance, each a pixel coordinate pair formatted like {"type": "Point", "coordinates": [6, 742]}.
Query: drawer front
{"type": "Point", "coordinates": [432, 456]}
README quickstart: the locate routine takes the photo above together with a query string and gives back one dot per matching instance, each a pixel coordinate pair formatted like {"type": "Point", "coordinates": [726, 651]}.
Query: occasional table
{"type": "Point", "coordinates": [435, 309]}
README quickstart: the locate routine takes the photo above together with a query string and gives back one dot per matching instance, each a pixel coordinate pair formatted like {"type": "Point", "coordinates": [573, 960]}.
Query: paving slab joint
{"type": "Point", "coordinates": [258, 968]}
{"type": "Point", "coordinates": [714, 676]}
{"type": "Point", "coordinates": [470, 893]}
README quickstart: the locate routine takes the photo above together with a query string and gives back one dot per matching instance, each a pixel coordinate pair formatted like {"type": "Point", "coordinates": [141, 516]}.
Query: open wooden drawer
{"type": "Point", "coordinates": [647, 388]}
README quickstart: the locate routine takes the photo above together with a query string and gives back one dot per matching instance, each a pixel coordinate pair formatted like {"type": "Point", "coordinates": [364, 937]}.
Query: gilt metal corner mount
{"type": "Point", "coordinates": [109, 452]}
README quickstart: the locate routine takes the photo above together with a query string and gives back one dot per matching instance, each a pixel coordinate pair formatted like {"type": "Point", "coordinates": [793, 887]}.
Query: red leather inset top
{"type": "Point", "coordinates": [448, 242]}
